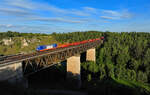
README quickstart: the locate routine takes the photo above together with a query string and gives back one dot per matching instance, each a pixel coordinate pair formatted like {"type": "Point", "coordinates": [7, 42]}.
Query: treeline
{"type": "Point", "coordinates": [123, 56]}
{"type": "Point", "coordinates": [76, 36]}
{"type": "Point", "coordinates": [17, 34]}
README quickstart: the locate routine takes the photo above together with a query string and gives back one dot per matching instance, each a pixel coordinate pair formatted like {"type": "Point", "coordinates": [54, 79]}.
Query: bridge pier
{"type": "Point", "coordinates": [73, 71]}
{"type": "Point", "coordinates": [90, 55]}
{"type": "Point", "coordinates": [13, 74]}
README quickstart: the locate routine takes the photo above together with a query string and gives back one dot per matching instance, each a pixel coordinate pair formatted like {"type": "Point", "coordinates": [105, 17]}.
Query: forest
{"type": "Point", "coordinates": [122, 62]}
{"type": "Point", "coordinates": [124, 58]}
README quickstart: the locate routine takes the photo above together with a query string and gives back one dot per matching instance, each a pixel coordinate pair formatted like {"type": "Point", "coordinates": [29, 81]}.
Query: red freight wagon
{"type": "Point", "coordinates": [73, 44]}
{"type": "Point", "coordinates": [102, 38]}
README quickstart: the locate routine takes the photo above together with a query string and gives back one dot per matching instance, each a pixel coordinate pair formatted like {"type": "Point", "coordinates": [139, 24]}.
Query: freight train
{"type": "Point", "coordinates": [54, 46]}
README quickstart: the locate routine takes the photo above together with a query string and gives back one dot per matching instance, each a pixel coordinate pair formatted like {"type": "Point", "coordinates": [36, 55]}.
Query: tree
{"type": "Point", "coordinates": [142, 77]}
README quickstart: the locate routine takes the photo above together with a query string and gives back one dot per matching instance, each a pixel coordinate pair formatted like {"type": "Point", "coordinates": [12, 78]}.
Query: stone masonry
{"type": "Point", "coordinates": [90, 55]}
{"type": "Point", "coordinates": [13, 74]}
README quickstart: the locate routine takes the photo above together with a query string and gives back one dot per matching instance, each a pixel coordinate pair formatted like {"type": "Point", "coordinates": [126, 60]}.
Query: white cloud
{"type": "Point", "coordinates": [57, 20]}
{"type": "Point", "coordinates": [110, 14]}
{"type": "Point", "coordinates": [107, 17]}
{"type": "Point", "coordinates": [78, 12]}
{"type": "Point", "coordinates": [20, 3]}
{"type": "Point", "coordinates": [15, 12]}
{"type": "Point", "coordinates": [32, 6]}
{"type": "Point", "coordinates": [24, 8]}
{"type": "Point", "coordinates": [6, 25]}
{"type": "Point", "coordinates": [30, 11]}
{"type": "Point", "coordinates": [91, 10]}
{"type": "Point", "coordinates": [53, 9]}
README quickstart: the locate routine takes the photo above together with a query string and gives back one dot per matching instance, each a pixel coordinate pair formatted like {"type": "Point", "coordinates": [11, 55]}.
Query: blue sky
{"type": "Point", "coordinates": [47, 16]}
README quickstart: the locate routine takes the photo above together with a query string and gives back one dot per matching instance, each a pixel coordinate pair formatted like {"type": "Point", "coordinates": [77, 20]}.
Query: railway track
{"type": "Point", "coordinates": [8, 56]}
{"type": "Point", "coordinates": [7, 59]}
{"type": "Point", "coordinates": [4, 60]}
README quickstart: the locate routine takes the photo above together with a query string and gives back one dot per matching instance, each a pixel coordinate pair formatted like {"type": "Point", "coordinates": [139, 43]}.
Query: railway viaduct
{"type": "Point", "coordinates": [14, 69]}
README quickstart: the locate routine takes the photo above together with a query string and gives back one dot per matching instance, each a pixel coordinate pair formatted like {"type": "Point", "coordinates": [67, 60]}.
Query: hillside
{"type": "Point", "coordinates": [12, 43]}
{"type": "Point", "coordinates": [122, 62]}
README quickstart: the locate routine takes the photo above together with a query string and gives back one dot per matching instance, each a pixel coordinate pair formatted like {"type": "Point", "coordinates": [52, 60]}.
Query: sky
{"type": "Point", "coordinates": [48, 16]}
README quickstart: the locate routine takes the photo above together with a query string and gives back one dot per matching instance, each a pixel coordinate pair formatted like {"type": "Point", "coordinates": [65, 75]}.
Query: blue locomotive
{"type": "Point", "coordinates": [46, 47]}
